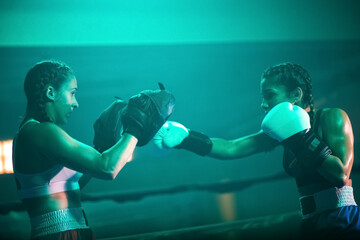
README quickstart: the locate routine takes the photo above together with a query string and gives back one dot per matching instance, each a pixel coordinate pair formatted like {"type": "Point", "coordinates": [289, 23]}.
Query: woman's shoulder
{"type": "Point", "coordinates": [333, 117]}
{"type": "Point", "coordinates": [32, 126]}
{"type": "Point", "coordinates": [332, 112]}
{"type": "Point", "coordinates": [34, 131]}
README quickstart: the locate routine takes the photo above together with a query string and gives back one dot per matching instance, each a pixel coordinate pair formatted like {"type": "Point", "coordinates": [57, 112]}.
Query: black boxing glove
{"type": "Point", "coordinates": [146, 112]}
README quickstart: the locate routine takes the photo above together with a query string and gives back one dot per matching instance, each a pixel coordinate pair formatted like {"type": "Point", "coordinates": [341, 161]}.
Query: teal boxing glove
{"type": "Point", "coordinates": [175, 135]}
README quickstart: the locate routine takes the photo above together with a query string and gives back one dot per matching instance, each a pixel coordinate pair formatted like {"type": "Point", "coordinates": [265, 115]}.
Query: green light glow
{"type": "Point", "coordinates": [110, 22]}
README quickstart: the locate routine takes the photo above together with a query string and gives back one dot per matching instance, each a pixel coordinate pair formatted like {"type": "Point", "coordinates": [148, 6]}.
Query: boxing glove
{"type": "Point", "coordinates": [146, 112]}
{"type": "Point", "coordinates": [175, 135]}
{"type": "Point", "coordinates": [290, 125]}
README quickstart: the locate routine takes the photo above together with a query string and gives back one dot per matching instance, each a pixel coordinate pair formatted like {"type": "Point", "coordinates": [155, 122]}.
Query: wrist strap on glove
{"type": "Point", "coordinates": [308, 148]}
{"type": "Point", "coordinates": [197, 143]}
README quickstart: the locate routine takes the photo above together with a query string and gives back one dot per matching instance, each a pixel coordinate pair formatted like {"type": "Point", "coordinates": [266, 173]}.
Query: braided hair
{"type": "Point", "coordinates": [292, 75]}
{"type": "Point", "coordinates": [38, 78]}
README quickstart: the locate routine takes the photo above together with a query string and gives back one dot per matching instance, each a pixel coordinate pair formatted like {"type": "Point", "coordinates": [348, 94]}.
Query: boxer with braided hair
{"type": "Point", "coordinates": [48, 163]}
{"type": "Point", "coordinates": [46, 73]}
{"type": "Point", "coordinates": [293, 76]}
{"type": "Point", "coordinates": [318, 150]}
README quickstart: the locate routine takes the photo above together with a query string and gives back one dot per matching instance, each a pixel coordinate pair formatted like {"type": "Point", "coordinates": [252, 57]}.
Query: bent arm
{"type": "Point", "coordinates": [56, 144]}
{"type": "Point", "coordinates": [241, 147]}
{"type": "Point", "coordinates": [337, 133]}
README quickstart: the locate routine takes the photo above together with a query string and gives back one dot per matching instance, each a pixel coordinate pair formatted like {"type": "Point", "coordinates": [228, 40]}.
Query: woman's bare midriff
{"type": "Point", "coordinates": [44, 204]}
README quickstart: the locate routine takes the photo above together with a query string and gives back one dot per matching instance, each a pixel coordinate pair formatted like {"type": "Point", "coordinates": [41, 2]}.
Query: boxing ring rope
{"type": "Point", "coordinates": [223, 187]}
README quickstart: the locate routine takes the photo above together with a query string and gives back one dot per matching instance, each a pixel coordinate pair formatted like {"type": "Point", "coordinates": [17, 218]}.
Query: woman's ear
{"type": "Point", "coordinates": [50, 93]}
{"type": "Point", "coordinates": [297, 95]}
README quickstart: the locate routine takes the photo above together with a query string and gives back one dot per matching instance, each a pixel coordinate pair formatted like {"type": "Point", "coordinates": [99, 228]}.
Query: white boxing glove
{"type": "Point", "coordinates": [170, 135]}
{"type": "Point", "coordinates": [290, 125]}
{"type": "Point", "coordinates": [175, 135]}
{"type": "Point", "coordinates": [285, 120]}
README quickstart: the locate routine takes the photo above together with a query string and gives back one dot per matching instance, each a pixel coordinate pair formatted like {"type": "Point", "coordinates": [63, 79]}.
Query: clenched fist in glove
{"type": "Point", "coordinates": [146, 112]}
{"type": "Point", "coordinates": [175, 135]}
{"type": "Point", "coordinates": [290, 125]}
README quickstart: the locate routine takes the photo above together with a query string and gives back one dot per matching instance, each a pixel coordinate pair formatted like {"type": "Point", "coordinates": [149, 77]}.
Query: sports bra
{"type": "Point", "coordinates": [56, 179]}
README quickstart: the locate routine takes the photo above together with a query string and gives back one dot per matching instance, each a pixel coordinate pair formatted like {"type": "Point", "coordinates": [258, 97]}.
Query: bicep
{"type": "Point", "coordinates": [338, 134]}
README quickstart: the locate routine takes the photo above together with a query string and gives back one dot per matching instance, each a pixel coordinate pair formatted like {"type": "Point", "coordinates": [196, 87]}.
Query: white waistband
{"type": "Point", "coordinates": [328, 199]}
{"type": "Point", "coordinates": [58, 221]}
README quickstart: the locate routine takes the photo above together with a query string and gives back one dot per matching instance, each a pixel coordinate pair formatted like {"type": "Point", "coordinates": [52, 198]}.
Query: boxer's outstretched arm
{"type": "Point", "coordinates": [175, 135]}
{"type": "Point", "coordinates": [241, 147]}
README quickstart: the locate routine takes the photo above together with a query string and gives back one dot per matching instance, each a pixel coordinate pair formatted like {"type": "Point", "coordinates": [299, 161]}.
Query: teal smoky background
{"type": "Point", "coordinates": [210, 54]}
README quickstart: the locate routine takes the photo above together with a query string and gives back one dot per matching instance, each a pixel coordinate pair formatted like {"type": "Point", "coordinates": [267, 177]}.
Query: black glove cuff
{"type": "Point", "coordinates": [309, 149]}
{"type": "Point", "coordinates": [197, 143]}
{"type": "Point", "coordinates": [316, 150]}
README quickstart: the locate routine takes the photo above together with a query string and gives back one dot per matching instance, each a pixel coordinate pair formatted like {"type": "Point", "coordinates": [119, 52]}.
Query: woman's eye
{"type": "Point", "coordinates": [269, 95]}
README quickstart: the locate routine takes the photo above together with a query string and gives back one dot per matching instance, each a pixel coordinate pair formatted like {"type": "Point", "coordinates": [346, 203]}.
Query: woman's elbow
{"type": "Point", "coordinates": [343, 176]}
{"type": "Point", "coordinates": [105, 172]}
{"type": "Point", "coordinates": [109, 172]}
{"type": "Point", "coordinates": [107, 168]}
{"type": "Point", "coordinates": [341, 180]}
{"type": "Point", "coordinates": [110, 176]}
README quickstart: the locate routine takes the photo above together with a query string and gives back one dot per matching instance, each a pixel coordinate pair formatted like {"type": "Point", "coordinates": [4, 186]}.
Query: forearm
{"type": "Point", "coordinates": [230, 149]}
{"type": "Point", "coordinates": [334, 171]}
{"type": "Point", "coordinates": [217, 148]}
{"type": "Point", "coordinates": [174, 134]}
{"type": "Point", "coordinates": [222, 149]}
{"type": "Point", "coordinates": [241, 147]}
{"type": "Point", "coordinates": [115, 158]}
